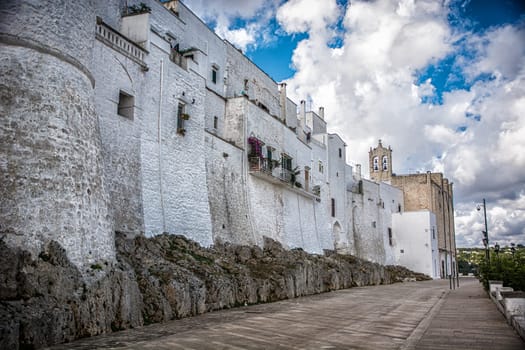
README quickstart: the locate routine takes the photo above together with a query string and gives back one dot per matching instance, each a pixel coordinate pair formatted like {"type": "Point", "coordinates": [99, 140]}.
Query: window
{"type": "Point", "coordinates": [126, 105]}
{"type": "Point", "coordinates": [215, 122]}
{"type": "Point", "coordinates": [214, 73]}
{"type": "Point", "coordinates": [390, 241]}
{"type": "Point", "coordinates": [373, 224]}
{"type": "Point", "coordinates": [286, 162]}
{"type": "Point", "coordinates": [333, 207]}
{"type": "Point", "coordinates": [433, 233]}
{"type": "Point", "coordinates": [385, 163]}
{"type": "Point", "coordinates": [375, 162]}
{"type": "Point", "coordinates": [340, 153]}
{"type": "Point", "coordinates": [181, 118]}
{"type": "Point", "coordinates": [321, 167]}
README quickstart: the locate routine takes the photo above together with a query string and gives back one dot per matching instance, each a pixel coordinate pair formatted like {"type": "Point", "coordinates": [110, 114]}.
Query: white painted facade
{"type": "Point", "coordinates": [231, 100]}
{"type": "Point", "coordinates": [415, 241]}
{"type": "Point", "coordinates": [371, 207]}
{"type": "Point", "coordinates": [196, 140]}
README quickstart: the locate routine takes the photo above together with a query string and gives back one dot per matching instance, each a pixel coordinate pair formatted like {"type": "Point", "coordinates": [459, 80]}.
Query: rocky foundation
{"type": "Point", "coordinates": [47, 300]}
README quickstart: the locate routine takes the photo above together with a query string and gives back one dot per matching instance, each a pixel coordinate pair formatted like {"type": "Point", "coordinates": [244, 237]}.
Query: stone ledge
{"type": "Point", "coordinates": [510, 303]}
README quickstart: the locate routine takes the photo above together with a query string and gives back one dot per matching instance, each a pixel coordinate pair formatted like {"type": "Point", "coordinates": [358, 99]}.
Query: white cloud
{"type": "Point", "coordinates": [307, 15]}
{"type": "Point", "coordinates": [500, 52]}
{"type": "Point", "coordinates": [224, 13]}
{"type": "Point", "coordinates": [370, 91]}
{"type": "Point", "coordinates": [241, 37]}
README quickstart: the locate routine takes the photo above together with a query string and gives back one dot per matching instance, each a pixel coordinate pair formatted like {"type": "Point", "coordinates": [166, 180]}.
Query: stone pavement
{"type": "Point", "coordinates": [468, 319]}
{"type": "Point", "coordinates": [415, 315]}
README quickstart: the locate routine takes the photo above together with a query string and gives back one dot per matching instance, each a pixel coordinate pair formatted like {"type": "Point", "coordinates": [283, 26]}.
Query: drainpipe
{"type": "Point", "coordinates": [451, 197]}
{"type": "Point", "coordinates": [159, 137]}
{"type": "Point", "coordinates": [445, 230]}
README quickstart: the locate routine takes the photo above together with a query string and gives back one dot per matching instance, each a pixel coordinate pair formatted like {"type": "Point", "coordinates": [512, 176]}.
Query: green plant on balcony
{"type": "Point", "coordinates": [293, 176]}
{"type": "Point", "coordinates": [185, 116]}
{"type": "Point", "coordinates": [137, 9]}
{"type": "Point", "coordinates": [181, 131]}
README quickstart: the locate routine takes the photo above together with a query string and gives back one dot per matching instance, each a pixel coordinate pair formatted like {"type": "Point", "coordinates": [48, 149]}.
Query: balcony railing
{"type": "Point", "coordinates": [120, 43]}
{"type": "Point", "coordinates": [271, 171]}
{"type": "Point", "coordinates": [179, 59]}
{"type": "Point", "coordinates": [263, 165]}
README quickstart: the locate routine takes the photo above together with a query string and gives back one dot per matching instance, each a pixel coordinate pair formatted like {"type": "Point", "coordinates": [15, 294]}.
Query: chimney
{"type": "Point", "coordinates": [321, 112]}
{"type": "Point", "coordinates": [302, 111]}
{"type": "Point", "coordinates": [358, 171]}
{"type": "Point", "coordinates": [282, 95]}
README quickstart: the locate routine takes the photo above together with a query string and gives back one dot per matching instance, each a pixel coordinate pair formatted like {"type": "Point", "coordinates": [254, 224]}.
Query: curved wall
{"type": "Point", "coordinates": [51, 167]}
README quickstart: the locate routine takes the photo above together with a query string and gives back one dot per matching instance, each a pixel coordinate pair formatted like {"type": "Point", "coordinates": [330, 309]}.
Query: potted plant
{"type": "Point", "coordinates": [293, 175]}
{"type": "Point", "coordinates": [137, 9]}
{"type": "Point", "coordinates": [185, 116]}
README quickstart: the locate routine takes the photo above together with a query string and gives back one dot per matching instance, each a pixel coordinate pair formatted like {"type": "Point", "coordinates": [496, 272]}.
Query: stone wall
{"type": "Point", "coordinates": [44, 301]}
{"type": "Point", "coordinates": [391, 202]}
{"type": "Point", "coordinates": [368, 235]}
{"type": "Point", "coordinates": [121, 136]}
{"type": "Point", "coordinates": [51, 166]}
{"type": "Point", "coordinates": [226, 184]}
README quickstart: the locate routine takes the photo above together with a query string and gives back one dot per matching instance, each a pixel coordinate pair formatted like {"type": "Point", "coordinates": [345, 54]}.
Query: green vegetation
{"type": "Point", "coordinates": [96, 267]}
{"type": "Point", "coordinates": [507, 265]}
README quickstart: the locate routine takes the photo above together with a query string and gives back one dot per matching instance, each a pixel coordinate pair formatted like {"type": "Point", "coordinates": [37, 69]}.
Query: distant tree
{"type": "Point", "coordinates": [507, 266]}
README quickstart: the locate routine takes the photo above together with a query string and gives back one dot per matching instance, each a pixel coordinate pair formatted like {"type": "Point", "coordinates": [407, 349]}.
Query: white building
{"type": "Point", "coordinates": [190, 137]}
{"type": "Point", "coordinates": [415, 239]}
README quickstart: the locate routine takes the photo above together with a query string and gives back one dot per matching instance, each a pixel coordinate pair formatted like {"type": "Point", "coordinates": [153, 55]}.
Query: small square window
{"type": "Point", "coordinates": [126, 105]}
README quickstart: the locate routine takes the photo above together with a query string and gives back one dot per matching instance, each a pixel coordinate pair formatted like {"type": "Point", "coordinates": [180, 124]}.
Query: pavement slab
{"type": "Point", "coordinates": [413, 315]}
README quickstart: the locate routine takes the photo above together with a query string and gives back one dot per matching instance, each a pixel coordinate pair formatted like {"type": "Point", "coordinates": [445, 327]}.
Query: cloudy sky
{"type": "Point", "coordinates": [441, 82]}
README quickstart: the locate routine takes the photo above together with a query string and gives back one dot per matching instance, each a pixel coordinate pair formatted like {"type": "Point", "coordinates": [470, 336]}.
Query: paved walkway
{"type": "Point", "coordinates": [468, 319]}
{"type": "Point", "coordinates": [382, 317]}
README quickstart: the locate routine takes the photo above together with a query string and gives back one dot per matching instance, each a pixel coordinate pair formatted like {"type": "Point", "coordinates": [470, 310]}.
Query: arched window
{"type": "Point", "coordinates": [375, 163]}
{"type": "Point", "coordinates": [385, 163]}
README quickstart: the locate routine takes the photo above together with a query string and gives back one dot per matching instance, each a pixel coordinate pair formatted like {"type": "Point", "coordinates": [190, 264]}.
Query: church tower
{"type": "Point", "coordinates": [380, 163]}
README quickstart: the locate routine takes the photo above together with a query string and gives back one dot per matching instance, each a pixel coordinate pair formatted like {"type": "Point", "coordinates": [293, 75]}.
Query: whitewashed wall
{"type": "Point", "coordinates": [391, 200]}
{"type": "Point", "coordinates": [415, 245]}
{"type": "Point", "coordinates": [120, 136]}
{"type": "Point", "coordinates": [226, 184]}
{"type": "Point", "coordinates": [337, 185]}
{"type": "Point", "coordinates": [173, 167]}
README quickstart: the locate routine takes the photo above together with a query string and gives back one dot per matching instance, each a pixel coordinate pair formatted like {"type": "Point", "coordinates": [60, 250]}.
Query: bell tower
{"type": "Point", "coordinates": [380, 163]}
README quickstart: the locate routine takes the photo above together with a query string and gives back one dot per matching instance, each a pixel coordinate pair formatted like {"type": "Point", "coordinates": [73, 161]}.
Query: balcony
{"type": "Point", "coordinates": [120, 43]}
{"type": "Point", "coordinates": [179, 59]}
{"type": "Point", "coordinates": [270, 170]}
